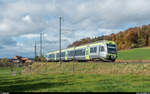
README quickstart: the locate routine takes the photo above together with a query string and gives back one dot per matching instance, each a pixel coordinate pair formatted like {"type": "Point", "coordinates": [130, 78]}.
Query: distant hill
{"type": "Point", "coordinates": [131, 38]}
{"type": "Point", "coordinates": [134, 54]}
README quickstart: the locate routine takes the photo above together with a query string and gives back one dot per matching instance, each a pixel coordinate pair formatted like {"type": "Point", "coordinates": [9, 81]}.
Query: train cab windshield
{"type": "Point", "coordinates": [111, 48]}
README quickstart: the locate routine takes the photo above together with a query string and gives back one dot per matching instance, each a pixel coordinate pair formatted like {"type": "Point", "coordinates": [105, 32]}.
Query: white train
{"type": "Point", "coordinates": [101, 50]}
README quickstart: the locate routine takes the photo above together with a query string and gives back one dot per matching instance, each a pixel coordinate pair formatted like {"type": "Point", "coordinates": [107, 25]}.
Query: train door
{"type": "Point", "coordinates": [87, 53]}
{"type": "Point", "coordinates": [101, 51]}
{"type": "Point", "coordinates": [66, 55]}
{"type": "Point", "coordinates": [55, 56]}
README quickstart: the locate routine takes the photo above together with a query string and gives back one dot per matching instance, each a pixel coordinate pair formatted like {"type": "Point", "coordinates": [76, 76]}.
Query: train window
{"type": "Point", "coordinates": [63, 54]}
{"type": "Point", "coordinates": [51, 56]}
{"type": "Point", "coordinates": [93, 50]}
{"type": "Point", "coordinates": [57, 55]}
{"type": "Point", "coordinates": [102, 49]}
{"type": "Point", "coordinates": [81, 52]}
{"type": "Point", "coordinates": [76, 52]}
{"type": "Point", "coordinates": [111, 48]}
{"type": "Point", "coordinates": [70, 53]}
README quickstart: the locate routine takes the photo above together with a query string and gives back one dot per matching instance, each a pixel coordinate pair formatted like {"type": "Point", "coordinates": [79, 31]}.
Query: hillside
{"type": "Point", "coordinates": [131, 38]}
{"type": "Point", "coordinates": [135, 54]}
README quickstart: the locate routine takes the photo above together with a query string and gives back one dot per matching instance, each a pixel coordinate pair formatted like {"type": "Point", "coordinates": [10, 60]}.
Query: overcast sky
{"type": "Point", "coordinates": [21, 21]}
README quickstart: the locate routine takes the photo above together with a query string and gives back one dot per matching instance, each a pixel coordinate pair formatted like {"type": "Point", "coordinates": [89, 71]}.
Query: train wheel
{"type": "Point", "coordinates": [113, 60]}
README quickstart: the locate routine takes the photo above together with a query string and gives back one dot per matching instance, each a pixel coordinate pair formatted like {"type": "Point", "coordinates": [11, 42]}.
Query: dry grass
{"type": "Point", "coordinates": [132, 61]}
{"type": "Point", "coordinates": [94, 68]}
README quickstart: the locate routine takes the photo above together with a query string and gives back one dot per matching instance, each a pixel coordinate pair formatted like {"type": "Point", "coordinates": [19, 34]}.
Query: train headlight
{"type": "Point", "coordinates": [112, 57]}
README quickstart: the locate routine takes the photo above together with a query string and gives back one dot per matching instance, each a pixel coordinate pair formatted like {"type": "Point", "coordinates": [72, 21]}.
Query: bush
{"type": "Point", "coordinates": [42, 58]}
{"type": "Point", "coordinates": [4, 64]}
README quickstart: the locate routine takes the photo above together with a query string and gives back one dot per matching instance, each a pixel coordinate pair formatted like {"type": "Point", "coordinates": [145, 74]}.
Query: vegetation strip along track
{"type": "Point", "coordinates": [94, 68]}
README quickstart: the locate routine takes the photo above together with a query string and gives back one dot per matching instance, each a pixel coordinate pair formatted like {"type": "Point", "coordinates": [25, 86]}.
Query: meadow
{"type": "Point", "coordinates": [81, 76]}
{"type": "Point", "coordinates": [134, 54]}
{"type": "Point", "coordinates": [77, 77]}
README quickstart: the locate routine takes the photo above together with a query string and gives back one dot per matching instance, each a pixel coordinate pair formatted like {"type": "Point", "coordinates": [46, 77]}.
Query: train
{"type": "Point", "coordinates": [104, 50]}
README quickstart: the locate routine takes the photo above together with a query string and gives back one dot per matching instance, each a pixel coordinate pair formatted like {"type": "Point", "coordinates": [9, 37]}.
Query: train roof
{"type": "Point", "coordinates": [96, 43]}
{"type": "Point", "coordinates": [85, 45]}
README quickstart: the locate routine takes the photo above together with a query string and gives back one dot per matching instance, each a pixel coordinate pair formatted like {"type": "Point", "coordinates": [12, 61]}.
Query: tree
{"type": "Point", "coordinates": [36, 58]}
{"type": "Point", "coordinates": [139, 41]}
{"type": "Point", "coordinates": [42, 58]}
{"type": "Point", "coordinates": [130, 38]}
{"type": "Point", "coordinates": [113, 36]}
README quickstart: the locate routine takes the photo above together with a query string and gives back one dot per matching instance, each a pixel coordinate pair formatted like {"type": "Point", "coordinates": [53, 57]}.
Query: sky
{"type": "Point", "coordinates": [22, 21]}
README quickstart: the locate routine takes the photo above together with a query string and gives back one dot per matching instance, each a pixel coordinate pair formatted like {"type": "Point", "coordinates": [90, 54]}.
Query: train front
{"type": "Point", "coordinates": [111, 51]}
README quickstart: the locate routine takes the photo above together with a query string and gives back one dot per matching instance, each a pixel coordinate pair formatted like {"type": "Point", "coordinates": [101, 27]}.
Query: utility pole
{"type": "Point", "coordinates": [60, 39]}
{"type": "Point", "coordinates": [35, 53]}
{"type": "Point", "coordinates": [43, 44]}
{"type": "Point", "coordinates": [40, 44]}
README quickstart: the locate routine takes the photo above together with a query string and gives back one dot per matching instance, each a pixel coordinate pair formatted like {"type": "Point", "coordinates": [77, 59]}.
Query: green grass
{"type": "Point", "coordinates": [73, 83]}
{"type": "Point", "coordinates": [134, 54]}
{"type": "Point", "coordinates": [55, 81]}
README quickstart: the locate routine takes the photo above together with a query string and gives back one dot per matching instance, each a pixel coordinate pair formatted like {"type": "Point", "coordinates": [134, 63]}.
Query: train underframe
{"type": "Point", "coordinates": [84, 60]}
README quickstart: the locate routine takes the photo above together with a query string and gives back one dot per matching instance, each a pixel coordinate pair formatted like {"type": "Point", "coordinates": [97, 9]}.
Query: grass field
{"type": "Point", "coordinates": [135, 54]}
{"type": "Point", "coordinates": [82, 77]}
{"type": "Point", "coordinates": [55, 78]}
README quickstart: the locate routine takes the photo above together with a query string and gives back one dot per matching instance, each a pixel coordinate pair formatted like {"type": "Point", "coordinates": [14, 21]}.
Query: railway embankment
{"type": "Point", "coordinates": [88, 68]}
{"type": "Point", "coordinates": [132, 61]}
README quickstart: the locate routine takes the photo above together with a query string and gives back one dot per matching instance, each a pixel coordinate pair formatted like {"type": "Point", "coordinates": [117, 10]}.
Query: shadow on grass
{"type": "Point", "coordinates": [30, 86]}
{"type": "Point", "coordinates": [12, 81]}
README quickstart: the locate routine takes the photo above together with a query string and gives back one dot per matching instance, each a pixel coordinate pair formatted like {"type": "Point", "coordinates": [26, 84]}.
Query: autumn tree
{"type": "Point", "coordinates": [42, 58]}
{"type": "Point", "coordinates": [130, 38]}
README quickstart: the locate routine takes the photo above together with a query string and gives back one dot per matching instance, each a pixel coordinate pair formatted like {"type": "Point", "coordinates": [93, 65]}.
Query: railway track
{"type": "Point", "coordinates": [132, 61]}
{"type": "Point", "coordinates": [122, 61]}
{"type": "Point", "coordinates": [116, 62]}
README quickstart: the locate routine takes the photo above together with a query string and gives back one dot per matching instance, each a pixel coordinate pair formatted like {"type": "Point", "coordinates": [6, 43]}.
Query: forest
{"type": "Point", "coordinates": [131, 38]}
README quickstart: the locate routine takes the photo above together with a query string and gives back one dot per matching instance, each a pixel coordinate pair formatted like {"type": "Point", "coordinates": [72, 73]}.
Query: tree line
{"type": "Point", "coordinates": [131, 38]}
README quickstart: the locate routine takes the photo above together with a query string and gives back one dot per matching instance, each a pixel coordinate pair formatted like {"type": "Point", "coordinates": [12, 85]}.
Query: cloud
{"type": "Point", "coordinates": [27, 18]}
{"type": "Point", "coordinates": [30, 36]}
{"type": "Point", "coordinates": [1, 47]}
{"type": "Point", "coordinates": [7, 42]}
{"type": "Point", "coordinates": [108, 31]}
{"type": "Point", "coordinates": [21, 21]}
{"type": "Point", "coordinates": [4, 27]}
{"type": "Point", "coordinates": [19, 44]}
